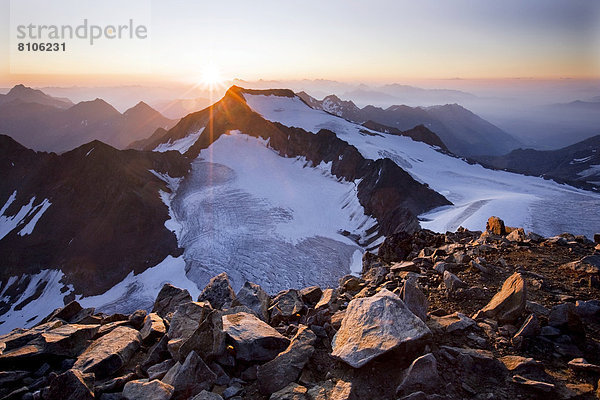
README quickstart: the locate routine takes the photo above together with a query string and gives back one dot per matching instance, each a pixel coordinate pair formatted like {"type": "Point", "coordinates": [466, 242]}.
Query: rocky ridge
{"type": "Point", "coordinates": [499, 314]}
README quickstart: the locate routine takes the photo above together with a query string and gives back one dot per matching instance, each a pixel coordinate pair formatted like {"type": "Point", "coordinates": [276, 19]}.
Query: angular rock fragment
{"type": "Point", "coordinates": [169, 298]}
{"type": "Point", "coordinates": [255, 298]}
{"type": "Point", "coordinates": [143, 389]}
{"type": "Point", "coordinates": [253, 339]}
{"type": "Point", "coordinates": [287, 366]}
{"type": "Point", "coordinates": [218, 292]}
{"type": "Point", "coordinates": [108, 354]}
{"type": "Point", "coordinates": [375, 325]}
{"type": "Point", "coordinates": [509, 303]}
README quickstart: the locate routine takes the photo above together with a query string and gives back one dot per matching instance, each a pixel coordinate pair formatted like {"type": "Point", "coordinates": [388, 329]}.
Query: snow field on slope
{"type": "Point", "coordinates": [545, 207]}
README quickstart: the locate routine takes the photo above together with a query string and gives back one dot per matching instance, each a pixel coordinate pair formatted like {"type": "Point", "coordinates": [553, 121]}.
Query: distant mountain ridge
{"type": "Point", "coordinates": [26, 94]}
{"type": "Point", "coordinates": [42, 122]}
{"type": "Point", "coordinates": [577, 165]}
{"type": "Point", "coordinates": [463, 132]}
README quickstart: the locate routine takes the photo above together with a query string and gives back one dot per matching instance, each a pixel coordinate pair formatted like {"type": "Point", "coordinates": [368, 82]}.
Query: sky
{"type": "Point", "coordinates": [367, 41]}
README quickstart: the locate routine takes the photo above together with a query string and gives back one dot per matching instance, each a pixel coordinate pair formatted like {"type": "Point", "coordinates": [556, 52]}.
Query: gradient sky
{"type": "Point", "coordinates": [369, 41]}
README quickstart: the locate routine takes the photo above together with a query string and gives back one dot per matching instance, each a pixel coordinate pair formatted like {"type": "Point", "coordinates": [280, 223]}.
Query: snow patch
{"type": "Point", "coordinates": [181, 145]}
{"type": "Point", "coordinates": [50, 299]}
{"type": "Point", "coordinates": [8, 223]}
{"type": "Point", "coordinates": [37, 214]}
{"type": "Point", "coordinates": [140, 291]}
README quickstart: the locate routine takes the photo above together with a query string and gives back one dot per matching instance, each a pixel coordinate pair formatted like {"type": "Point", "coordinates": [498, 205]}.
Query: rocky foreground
{"type": "Point", "coordinates": [495, 315]}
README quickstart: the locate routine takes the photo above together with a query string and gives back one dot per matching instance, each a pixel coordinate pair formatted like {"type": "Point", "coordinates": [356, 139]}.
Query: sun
{"type": "Point", "coordinates": [211, 76]}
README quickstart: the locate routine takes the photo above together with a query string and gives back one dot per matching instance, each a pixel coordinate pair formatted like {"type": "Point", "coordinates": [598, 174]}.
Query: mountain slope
{"type": "Point", "coordinates": [26, 94]}
{"type": "Point", "coordinates": [43, 126]}
{"type": "Point", "coordinates": [577, 165]}
{"type": "Point", "coordinates": [476, 192]}
{"type": "Point", "coordinates": [463, 132]}
{"type": "Point", "coordinates": [93, 213]}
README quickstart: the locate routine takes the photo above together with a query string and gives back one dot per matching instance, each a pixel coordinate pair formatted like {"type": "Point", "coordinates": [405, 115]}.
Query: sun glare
{"type": "Point", "coordinates": [211, 76]}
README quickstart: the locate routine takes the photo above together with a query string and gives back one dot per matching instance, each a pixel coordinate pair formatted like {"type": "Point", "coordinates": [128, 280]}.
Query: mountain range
{"type": "Point", "coordinates": [46, 123]}
{"type": "Point", "coordinates": [259, 185]}
{"type": "Point", "coordinates": [577, 165]}
{"type": "Point", "coordinates": [464, 133]}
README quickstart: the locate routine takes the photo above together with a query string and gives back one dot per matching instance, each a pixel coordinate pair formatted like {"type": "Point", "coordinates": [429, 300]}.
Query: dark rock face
{"type": "Point", "coordinates": [419, 133]}
{"type": "Point", "coordinates": [105, 217]}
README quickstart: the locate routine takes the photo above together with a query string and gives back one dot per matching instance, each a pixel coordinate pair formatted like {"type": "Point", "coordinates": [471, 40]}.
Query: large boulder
{"type": "Point", "coordinates": [287, 366]}
{"type": "Point", "coordinates": [185, 321]}
{"type": "Point", "coordinates": [376, 325]}
{"type": "Point", "coordinates": [496, 226]}
{"type": "Point", "coordinates": [218, 292]}
{"type": "Point", "coordinates": [190, 377]}
{"type": "Point", "coordinates": [208, 340]}
{"type": "Point", "coordinates": [255, 298]}
{"type": "Point", "coordinates": [253, 339]}
{"type": "Point", "coordinates": [70, 385]}
{"type": "Point", "coordinates": [509, 303]}
{"type": "Point", "coordinates": [143, 389]}
{"type": "Point", "coordinates": [169, 298]}
{"type": "Point", "coordinates": [108, 354]}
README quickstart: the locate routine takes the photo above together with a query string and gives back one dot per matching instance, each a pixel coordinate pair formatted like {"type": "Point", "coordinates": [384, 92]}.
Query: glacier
{"type": "Point", "coordinates": [538, 205]}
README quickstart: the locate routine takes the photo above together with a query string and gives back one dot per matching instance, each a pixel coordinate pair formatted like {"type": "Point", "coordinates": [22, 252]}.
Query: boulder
{"type": "Point", "coordinates": [311, 295]}
{"type": "Point", "coordinates": [517, 235]}
{"type": "Point", "coordinates": [452, 282]}
{"type": "Point", "coordinates": [564, 317]}
{"type": "Point", "coordinates": [293, 391]}
{"type": "Point", "coordinates": [66, 313]}
{"type": "Point", "coordinates": [68, 340]}
{"type": "Point", "coordinates": [496, 226]}
{"type": "Point", "coordinates": [191, 377]}
{"type": "Point", "coordinates": [456, 322]}
{"type": "Point", "coordinates": [421, 375]}
{"type": "Point", "coordinates": [153, 328]}
{"type": "Point", "coordinates": [108, 354]}
{"type": "Point", "coordinates": [137, 318]}
{"type": "Point", "coordinates": [185, 321]}
{"type": "Point", "coordinates": [414, 298]}
{"type": "Point", "coordinates": [287, 366]}
{"type": "Point", "coordinates": [218, 292]}
{"type": "Point", "coordinates": [581, 364]}
{"type": "Point", "coordinates": [20, 337]}
{"type": "Point", "coordinates": [158, 371]}
{"type": "Point", "coordinates": [396, 247]}
{"type": "Point", "coordinates": [327, 301]}
{"type": "Point", "coordinates": [169, 298]}
{"type": "Point", "coordinates": [531, 327]}
{"type": "Point", "coordinates": [341, 391]}
{"type": "Point", "coordinates": [143, 389]}
{"type": "Point", "coordinates": [509, 303]}
{"type": "Point", "coordinates": [286, 305]}
{"type": "Point", "coordinates": [208, 340]}
{"type": "Point", "coordinates": [70, 385]}
{"type": "Point", "coordinates": [253, 339]}
{"type": "Point", "coordinates": [255, 298]}
{"type": "Point", "coordinates": [376, 325]}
